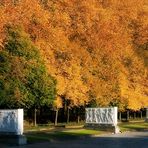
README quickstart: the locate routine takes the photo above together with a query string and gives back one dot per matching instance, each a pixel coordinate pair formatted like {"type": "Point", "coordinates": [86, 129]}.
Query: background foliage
{"type": "Point", "coordinates": [82, 53]}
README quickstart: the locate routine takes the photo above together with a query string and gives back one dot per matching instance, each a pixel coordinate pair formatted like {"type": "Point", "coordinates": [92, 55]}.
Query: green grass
{"type": "Point", "coordinates": [39, 127]}
{"type": "Point", "coordinates": [133, 126]}
{"type": "Point", "coordinates": [74, 131]}
{"type": "Point", "coordinates": [79, 132]}
{"type": "Point", "coordinates": [62, 134]}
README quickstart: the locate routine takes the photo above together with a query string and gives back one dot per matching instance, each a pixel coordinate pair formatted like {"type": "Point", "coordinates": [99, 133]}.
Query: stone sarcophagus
{"type": "Point", "coordinates": [11, 121]}
{"type": "Point", "coordinates": [102, 116]}
{"type": "Point", "coordinates": [11, 126]}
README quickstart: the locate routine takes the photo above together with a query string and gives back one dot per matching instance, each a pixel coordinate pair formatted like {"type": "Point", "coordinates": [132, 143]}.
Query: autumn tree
{"type": "Point", "coordinates": [25, 81]}
{"type": "Point", "coordinates": [96, 50]}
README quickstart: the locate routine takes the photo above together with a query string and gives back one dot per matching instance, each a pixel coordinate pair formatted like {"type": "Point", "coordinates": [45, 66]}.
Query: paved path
{"type": "Point", "coordinates": [123, 140]}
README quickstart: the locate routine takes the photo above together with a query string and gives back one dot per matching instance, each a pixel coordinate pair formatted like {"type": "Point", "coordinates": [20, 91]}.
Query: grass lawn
{"type": "Point", "coordinates": [48, 132]}
{"type": "Point", "coordinates": [133, 126]}
{"type": "Point", "coordinates": [59, 134]}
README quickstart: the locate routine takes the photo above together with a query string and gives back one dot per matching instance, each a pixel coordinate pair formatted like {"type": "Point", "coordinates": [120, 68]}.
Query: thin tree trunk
{"type": "Point", "coordinates": [56, 117]}
{"type": "Point", "coordinates": [120, 118]}
{"type": "Point", "coordinates": [68, 115]}
{"type": "Point", "coordinates": [134, 115]}
{"type": "Point", "coordinates": [78, 120]}
{"type": "Point", "coordinates": [78, 115]}
{"type": "Point", "coordinates": [141, 116]}
{"type": "Point", "coordinates": [35, 110]}
{"type": "Point", "coordinates": [127, 115]}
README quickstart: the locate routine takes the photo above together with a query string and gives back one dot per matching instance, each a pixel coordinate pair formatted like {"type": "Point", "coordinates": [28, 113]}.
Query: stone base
{"type": "Point", "coordinates": [117, 130]}
{"type": "Point", "coordinates": [13, 139]}
{"type": "Point", "coordinates": [22, 140]}
{"type": "Point", "coordinates": [106, 127]}
{"type": "Point", "coordinates": [146, 120]}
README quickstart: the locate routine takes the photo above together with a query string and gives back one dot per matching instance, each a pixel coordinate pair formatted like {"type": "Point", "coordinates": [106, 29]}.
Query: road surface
{"type": "Point", "coordinates": [123, 140]}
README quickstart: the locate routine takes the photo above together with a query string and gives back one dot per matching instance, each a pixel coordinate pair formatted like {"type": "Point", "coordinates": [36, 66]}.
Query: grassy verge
{"type": "Point", "coordinates": [59, 134]}
{"type": "Point", "coordinates": [73, 131]}
{"type": "Point", "coordinates": [39, 127]}
{"type": "Point", "coordinates": [133, 126]}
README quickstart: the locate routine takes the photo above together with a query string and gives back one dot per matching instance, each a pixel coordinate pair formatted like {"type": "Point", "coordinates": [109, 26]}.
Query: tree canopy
{"type": "Point", "coordinates": [24, 79]}
{"type": "Point", "coordinates": [96, 51]}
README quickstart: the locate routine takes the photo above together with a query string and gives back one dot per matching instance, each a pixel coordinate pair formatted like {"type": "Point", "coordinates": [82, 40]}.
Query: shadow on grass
{"type": "Point", "coordinates": [65, 134]}
{"type": "Point", "coordinates": [60, 134]}
{"type": "Point", "coordinates": [49, 136]}
{"type": "Point", "coordinates": [100, 142]}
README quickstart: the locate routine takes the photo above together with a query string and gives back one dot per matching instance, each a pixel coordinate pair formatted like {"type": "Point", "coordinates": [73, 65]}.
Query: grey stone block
{"type": "Point", "coordinates": [13, 139]}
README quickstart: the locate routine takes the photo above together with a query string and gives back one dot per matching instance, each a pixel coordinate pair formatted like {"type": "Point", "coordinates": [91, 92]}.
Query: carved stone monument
{"type": "Point", "coordinates": [103, 116]}
{"type": "Point", "coordinates": [11, 126]}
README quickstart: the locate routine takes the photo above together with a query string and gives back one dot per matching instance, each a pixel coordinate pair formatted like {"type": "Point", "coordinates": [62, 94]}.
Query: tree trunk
{"type": "Point", "coordinates": [127, 115]}
{"type": "Point", "coordinates": [35, 110]}
{"type": "Point", "coordinates": [67, 115]}
{"type": "Point", "coordinates": [141, 114]}
{"type": "Point", "coordinates": [120, 118]}
{"type": "Point", "coordinates": [78, 119]}
{"type": "Point", "coordinates": [78, 115]}
{"type": "Point", "coordinates": [134, 115]}
{"type": "Point", "coordinates": [56, 117]}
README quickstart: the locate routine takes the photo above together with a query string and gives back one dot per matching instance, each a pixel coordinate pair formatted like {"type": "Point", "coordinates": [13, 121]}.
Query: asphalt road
{"type": "Point", "coordinates": [123, 140]}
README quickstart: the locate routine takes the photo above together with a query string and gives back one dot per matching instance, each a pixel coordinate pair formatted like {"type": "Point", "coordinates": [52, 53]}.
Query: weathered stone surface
{"type": "Point", "coordinates": [102, 117]}
{"type": "Point", "coordinates": [11, 122]}
{"type": "Point", "coordinates": [11, 127]}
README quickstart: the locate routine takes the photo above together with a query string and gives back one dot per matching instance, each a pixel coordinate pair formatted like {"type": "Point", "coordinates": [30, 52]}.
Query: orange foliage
{"type": "Point", "coordinates": [88, 46]}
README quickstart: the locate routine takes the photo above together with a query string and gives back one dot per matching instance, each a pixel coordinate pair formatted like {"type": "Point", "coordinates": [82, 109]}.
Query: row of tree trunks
{"type": "Point", "coordinates": [67, 113]}
{"type": "Point", "coordinates": [120, 116]}
{"type": "Point", "coordinates": [130, 115]}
